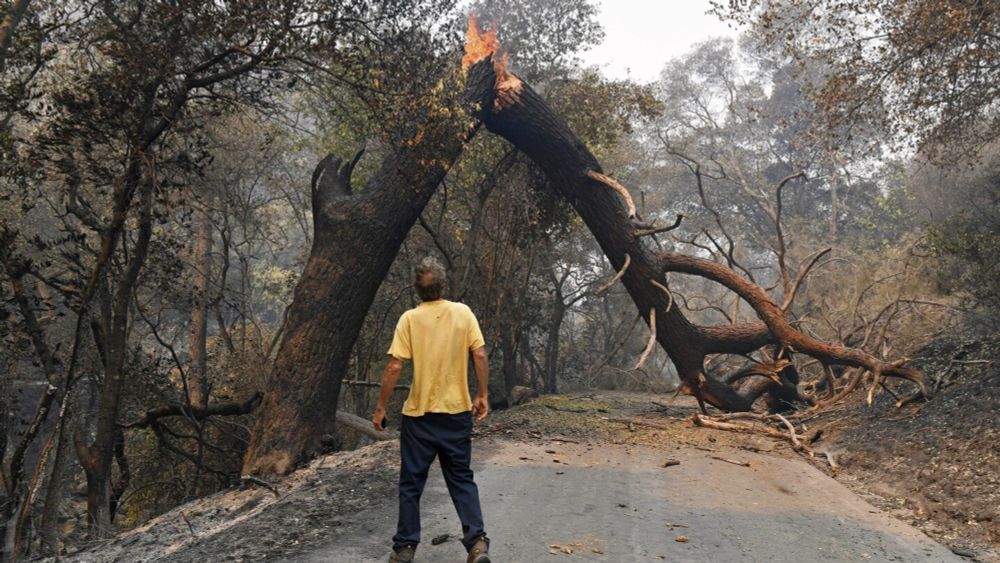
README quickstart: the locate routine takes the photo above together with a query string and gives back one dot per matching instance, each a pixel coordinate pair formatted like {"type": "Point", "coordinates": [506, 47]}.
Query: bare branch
{"type": "Point", "coordinates": [652, 339]}
{"type": "Point", "coordinates": [790, 295]}
{"type": "Point", "coordinates": [197, 413]}
{"type": "Point", "coordinates": [647, 232]}
{"type": "Point", "coordinates": [604, 288]}
{"type": "Point", "coordinates": [779, 233]}
{"type": "Point", "coordinates": [670, 296]}
{"type": "Point", "coordinates": [611, 183]}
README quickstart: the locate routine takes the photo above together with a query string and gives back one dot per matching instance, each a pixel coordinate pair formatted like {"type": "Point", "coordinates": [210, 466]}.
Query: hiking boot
{"type": "Point", "coordinates": [403, 554]}
{"type": "Point", "coordinates": [480, 551]}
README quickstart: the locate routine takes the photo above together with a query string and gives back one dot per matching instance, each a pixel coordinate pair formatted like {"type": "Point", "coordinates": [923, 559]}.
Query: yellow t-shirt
{"type": "Point", "coordinates": [437, 336]}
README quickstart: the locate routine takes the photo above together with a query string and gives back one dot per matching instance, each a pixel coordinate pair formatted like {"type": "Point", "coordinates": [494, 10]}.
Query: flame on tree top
{"type": "Point", "coordinates": [479, 45]}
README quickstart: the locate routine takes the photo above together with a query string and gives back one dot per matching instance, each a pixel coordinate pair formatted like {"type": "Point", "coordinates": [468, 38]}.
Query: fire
{"type": "Point", "coordinates": [481, 44]}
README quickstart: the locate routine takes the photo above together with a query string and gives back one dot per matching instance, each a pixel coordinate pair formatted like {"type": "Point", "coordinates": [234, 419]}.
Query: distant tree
{"type": "Point", "coordinates": [960, 208]}
{"type": "Point", "coordinates": [924, 71]}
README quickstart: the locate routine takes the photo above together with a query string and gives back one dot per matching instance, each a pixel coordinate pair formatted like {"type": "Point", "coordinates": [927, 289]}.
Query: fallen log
{"type": "Point", "coordinates": [365, 427]}
{"type": "Point", "coordinates": [374, 384]}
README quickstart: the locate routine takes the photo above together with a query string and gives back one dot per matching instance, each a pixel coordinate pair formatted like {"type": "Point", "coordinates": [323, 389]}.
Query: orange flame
{"type": "Point", "coordinates": [481, 44]}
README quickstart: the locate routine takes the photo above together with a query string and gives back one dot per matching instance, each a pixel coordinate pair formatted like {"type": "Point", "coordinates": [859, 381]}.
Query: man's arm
{"type": "Point", "coordinates": [481, 362]}
{"type": "Point", "coordinates": [389, 379]}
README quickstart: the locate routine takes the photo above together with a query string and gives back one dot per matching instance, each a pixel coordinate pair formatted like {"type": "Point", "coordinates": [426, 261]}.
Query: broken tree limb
{"type": "Point", "coordinates": [670, 296]}
{"type": "Point", "coordinates": [651, 343]}
{"type": "Point", "coordinates": [532, 127]}
{"type": "Point", "coordinates": [648, 232]}
{"type": "Point", "coordinates": [732, 461]}
{"type": "Point", "coordinates": [796, 444]}
{"type": "Point", "coordinates": [774, 319]}
{"type": "Point", "coordinates": [375, 384]}
{"type": "Point", "coordinates": [526, 121]}
{"type": "Point", "coordinates": [611, 183]}
{"type": "Point", "coordinates": [364, 426]}
{"type": "Point", "coordinates": [705, 421]}
{"type": "Point", "coordinates": [618, 275]}
{"type": "Point", "coordinates": [854, 376]}
{"type": "Point", "coordinates": [196, 413]}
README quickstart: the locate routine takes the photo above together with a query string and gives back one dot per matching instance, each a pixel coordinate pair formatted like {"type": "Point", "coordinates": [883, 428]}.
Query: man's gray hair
{"type": "Point", "coordinates": [433, 288]}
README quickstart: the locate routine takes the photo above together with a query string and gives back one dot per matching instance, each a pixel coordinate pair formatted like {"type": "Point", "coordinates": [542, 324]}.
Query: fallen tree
{"type": "Point", "coordinates": [522, 117]}
{"type": "Point", "coordinates": [357, 236]}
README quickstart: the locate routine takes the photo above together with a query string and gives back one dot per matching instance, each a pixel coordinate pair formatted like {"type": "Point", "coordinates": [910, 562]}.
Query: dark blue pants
{"type": "Point", "coordinates": [449, 437]}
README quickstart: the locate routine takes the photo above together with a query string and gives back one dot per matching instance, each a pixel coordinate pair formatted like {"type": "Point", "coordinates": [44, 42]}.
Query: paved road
{"type": "Point", "coordinates": [617, 503]}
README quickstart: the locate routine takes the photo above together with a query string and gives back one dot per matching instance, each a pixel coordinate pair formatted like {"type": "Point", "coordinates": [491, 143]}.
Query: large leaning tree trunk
{"type": "Point", "coordinates": [356, 238]}
{"type": "Point", "coordinates": [522, 117]}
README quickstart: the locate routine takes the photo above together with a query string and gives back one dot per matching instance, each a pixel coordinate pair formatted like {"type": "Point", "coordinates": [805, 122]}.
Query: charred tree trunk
{"type": "Point", "coordinates": [197, 381]}
{"type": "Point", "coordinates": [552, 344]}
{"type": "Point", "coordinates": [51, 510]}
{"type": "Point", "coordinates": [97, 454]}
{"type": "Point", "coordinates": [508, 347]}
{"type": "Point", "coordinates": [521, 116]}
{"type": "Point", "coordinates": [356, 238]}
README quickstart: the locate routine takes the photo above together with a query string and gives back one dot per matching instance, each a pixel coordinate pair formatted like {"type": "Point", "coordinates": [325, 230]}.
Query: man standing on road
{"type": "Point", "coordinates": [437, 336]}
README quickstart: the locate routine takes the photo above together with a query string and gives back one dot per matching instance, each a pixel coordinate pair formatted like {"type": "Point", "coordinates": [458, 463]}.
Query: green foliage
{"type": "Point", "coordinates": [603, 111]}
{"type": "Point", "coordinates": [969, 244]}
{"type": "Point", "coordinates": [922, 71]}
{"type": "Point", "coordinates": [542, 37]}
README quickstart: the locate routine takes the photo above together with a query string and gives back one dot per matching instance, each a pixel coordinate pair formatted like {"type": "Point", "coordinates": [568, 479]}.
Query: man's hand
{"type": "Point", "coordinates": [378, 418]}
{"type": "Point", "coordinates": [480, 407]}
{"type": "Point", "coordinates": [481, 361]}
{"type": "Point", "coordinates": [389, 378]}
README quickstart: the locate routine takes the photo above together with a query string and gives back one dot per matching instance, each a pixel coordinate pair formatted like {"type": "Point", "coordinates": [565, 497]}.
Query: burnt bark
{"type": "Point", "coordinates": [356, 238]}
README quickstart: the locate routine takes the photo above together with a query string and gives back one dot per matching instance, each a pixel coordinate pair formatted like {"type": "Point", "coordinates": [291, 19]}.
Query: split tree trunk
{"type": "Point", "coordinates": [521, 116]}
{"type": "Point", "coordinates": [356, 238]}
